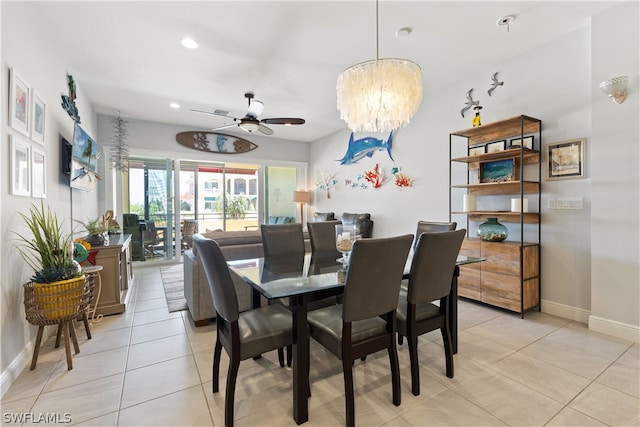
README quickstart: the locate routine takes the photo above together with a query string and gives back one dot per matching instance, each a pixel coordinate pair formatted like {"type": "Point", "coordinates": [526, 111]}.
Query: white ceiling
{"type": "Point", "coordinates": [127, 56]}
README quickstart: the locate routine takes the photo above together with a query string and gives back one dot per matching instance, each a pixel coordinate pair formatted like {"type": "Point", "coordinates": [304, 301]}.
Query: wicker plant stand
{"type": "Point", "coordinates": [59, 303]}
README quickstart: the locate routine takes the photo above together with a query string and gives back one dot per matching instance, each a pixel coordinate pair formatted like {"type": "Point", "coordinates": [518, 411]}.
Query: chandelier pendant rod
{"type": "Point", "coordinates": [377, 32]}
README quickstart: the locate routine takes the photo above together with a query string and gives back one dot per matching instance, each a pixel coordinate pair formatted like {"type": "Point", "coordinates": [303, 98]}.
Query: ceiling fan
{"type": "Point", "coordinates": [250, 122]}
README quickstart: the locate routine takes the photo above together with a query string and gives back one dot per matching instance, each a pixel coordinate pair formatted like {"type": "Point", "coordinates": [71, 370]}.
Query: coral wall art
{"type": "Point", "coordinates": [376, 176]}
{"type": "Point", "coordinates": [325, 179]}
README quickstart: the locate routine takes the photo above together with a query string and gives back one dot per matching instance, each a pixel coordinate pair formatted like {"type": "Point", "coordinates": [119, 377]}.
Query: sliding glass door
{"type": "Point", "coordinates": [151, 198]}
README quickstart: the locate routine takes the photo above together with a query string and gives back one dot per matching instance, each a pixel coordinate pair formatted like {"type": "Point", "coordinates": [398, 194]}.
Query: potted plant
{"type": "Point", "coordinates": [57, 286]}
{"type": "Point", "coordinates": [97, 229]}
{"type": "Point", "coordinates": [48, 251]}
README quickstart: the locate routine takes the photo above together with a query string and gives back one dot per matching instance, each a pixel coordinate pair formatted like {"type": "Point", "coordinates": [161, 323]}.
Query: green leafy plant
{"type": "Point", "coordinates": [48, 250]}
{"type": "Point", "coordinates": [234, 207]}
{"type": "Point", "coordinates": [94, 226]}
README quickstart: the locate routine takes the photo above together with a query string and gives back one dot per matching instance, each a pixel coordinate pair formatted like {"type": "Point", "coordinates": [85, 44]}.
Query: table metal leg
{"type": "Point", "coordinates": [453, 310]}
{"type": "Point", "coordinates": [300, 362]}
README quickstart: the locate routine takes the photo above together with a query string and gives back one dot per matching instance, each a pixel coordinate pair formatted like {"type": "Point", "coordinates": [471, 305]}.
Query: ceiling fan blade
{"type": "Point", "coordinates": [283, 121]}
{"type": "Point", "coordinates": [265, 130]}
{"type": "Point", "coordinates": [255, 108]}
{"type": "Point", "coordinates": [225, 126]}
{"type": "Point", "coordinates": [203, 112]}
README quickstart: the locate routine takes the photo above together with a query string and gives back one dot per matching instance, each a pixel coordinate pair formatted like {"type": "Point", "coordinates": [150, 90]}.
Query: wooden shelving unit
{"type": "Point", "coordinates": [510, 275]}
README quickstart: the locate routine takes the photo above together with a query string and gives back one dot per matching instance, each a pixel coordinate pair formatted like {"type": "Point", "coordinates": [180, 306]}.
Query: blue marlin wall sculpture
{"type": "Point", "coordinates": [365, 147]}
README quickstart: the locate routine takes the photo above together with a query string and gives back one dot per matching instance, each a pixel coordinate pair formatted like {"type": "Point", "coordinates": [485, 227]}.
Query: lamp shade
{"type": "Point", "coordinates": [301, 196]}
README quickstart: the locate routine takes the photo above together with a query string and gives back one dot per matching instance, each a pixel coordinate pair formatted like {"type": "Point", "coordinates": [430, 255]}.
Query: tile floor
{"type": "Point", "coordinates": [151, 367]}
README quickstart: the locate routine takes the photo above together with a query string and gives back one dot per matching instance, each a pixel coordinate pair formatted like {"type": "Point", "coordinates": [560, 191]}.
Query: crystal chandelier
{"type": "Point", "coordinates": [379, 95]}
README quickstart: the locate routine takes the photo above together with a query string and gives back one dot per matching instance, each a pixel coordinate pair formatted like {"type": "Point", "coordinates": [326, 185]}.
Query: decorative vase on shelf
{"type": "Point", "coordinates": [492, 231]}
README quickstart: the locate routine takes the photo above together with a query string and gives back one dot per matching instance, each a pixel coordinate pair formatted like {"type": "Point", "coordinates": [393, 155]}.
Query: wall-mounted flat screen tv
{"type": "Point", "coordinates": [84, 160]}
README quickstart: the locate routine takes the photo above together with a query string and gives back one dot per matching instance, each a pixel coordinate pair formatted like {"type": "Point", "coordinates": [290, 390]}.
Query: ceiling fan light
{"type": "Point", "coordinates": [250, 126]}
{"type": "Point", "coordinates": [379, 95]}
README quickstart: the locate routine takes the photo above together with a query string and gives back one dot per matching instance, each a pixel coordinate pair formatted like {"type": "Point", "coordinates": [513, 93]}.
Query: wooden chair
{"type": "Point", "coordinates": [243, 335]}
{"type": "Point", "coordinates": [434, 261]}
{"type": "Point", "coordinates": [365, 322]}
{"type": "Point", "coordinates": [189, 228]}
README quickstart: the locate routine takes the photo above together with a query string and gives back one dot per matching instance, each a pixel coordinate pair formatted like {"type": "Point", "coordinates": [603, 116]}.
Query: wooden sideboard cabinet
{"type": "Point", "coordinates": [508, 277]}
{"type": "Point", "coordinates": [117, 274]}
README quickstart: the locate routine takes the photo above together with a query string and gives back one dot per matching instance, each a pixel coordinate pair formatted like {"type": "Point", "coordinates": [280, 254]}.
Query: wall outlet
{"type": "Point", "coordinates": [551, 203]}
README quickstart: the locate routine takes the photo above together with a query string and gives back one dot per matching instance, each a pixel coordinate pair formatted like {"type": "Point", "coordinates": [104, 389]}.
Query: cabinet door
{"type": "Point", "coordinates": [502, 290]}
{"type": "Point", "coordinates": [469, 279]}
{"type": "Point", "coordinates": [501, 257]}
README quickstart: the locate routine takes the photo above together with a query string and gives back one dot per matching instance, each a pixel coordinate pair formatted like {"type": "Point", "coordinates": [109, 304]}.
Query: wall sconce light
{"type": "Point", "coordinates": [301, 197]}
{"type": "Point", "coordinates": [615, 88]}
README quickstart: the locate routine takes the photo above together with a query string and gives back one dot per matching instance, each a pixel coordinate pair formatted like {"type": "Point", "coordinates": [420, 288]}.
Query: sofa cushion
{"type": "Point", "coordinates": [230, 238]}
{"type": "Point", "coordinates": [324, 216]}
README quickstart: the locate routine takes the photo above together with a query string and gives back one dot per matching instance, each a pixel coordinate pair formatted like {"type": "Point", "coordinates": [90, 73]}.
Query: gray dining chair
{"type": "Point", "coordinates": [278, 241]}
{"type": "Point", "coordinates": [243, 335]}
{"type": "Point", "coordinates": [282, 239]}
{"type": "Point", "coordinates": [432, 268]}
{"type": "Point", "coordinates": [365, 322]}
{"type": "Point", "coordinates": [322, 236]}
{"type": "Point", "coordinates": [432, 227]}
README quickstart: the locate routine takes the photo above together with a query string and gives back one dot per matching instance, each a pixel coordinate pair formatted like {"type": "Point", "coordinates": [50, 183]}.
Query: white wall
{"type": "Point", "coordinates": [552, 83]}
{"type": "Point", "coordinates": [158, 140]}
{"type": "Point", "coordinates": [26, 48]}
{"type": "Point", "coordinates": [615, 213]}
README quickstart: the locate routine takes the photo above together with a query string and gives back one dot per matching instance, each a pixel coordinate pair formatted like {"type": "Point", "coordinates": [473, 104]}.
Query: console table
{"type": "Point", "coordinates": [117, 273]}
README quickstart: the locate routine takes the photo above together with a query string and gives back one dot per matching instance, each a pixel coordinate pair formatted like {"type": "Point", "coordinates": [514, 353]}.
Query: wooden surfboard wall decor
{"type": "Point", "coordinates": [213, 142]}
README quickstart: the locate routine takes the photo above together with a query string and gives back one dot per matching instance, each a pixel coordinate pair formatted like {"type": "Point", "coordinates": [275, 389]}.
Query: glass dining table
{"type": "Point", "coordinates": [309, 278]}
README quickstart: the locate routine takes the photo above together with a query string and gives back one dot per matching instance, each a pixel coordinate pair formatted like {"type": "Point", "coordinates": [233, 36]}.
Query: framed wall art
{"type": "Point", "coordinates": [498, 171]}
{"type": "Point", "coordinates": [38, 117]}
{"type": "Point", "coordinates": [526, 142]}
{"type": "Point", "coordinates": [565, 159]}
{"type": "Point", "coordinates": [38, 173]}
{"type": "Point", "coordinates": [492, 147]}
{"type": "Point", "coordinates": [19, 97]}
{"type": "Point", "coordinates": [476, 151]}
{"type": "Point", "coordinates": [20, 167]}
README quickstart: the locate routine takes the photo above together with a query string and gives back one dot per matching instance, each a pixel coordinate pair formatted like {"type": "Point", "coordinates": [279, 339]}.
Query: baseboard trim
{"type": "Point", "coordinates": [615, 328]}
{"type": "Point", "coordinates": [565, 311]}
{"type": "Point", "coordinates": [15, 368]}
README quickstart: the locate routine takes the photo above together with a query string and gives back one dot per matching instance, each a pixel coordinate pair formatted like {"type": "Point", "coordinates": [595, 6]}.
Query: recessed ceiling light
{"type": "Point", "coordinates": [505, 21]}
{"type": "Point", "coordinates": [174, 105]}
{"type": "Point", "coordinates": [404, 32]}
{"type": "Point", "coordinates": [189, 43]}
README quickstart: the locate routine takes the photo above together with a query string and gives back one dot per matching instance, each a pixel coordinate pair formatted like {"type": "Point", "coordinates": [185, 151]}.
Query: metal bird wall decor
{"type": "Point", "coordinates": [495, 83]}
{"type": "Point", "coordinates": [470, 102]}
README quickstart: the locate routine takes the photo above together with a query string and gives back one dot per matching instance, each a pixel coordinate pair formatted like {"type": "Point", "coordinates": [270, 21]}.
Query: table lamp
{"type": "Point", "coordinates": [301, 197]}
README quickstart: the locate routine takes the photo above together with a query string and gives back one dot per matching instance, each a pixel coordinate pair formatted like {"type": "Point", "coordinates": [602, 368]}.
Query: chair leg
{"type": "Point", "coordinates": [58, 335]}
{"type": "Point", "coordinates": [415, 372]}
{"type": "Point", "coordinates": [281, 357]}
{"type": "Point", "coordinates": [67, 347]}
{"type": "Point", "coordinates": [395, 373]}
{"type": "Point", "coordinates": [349, 401]}
{"type": "Point", "coordinates": [216, 366]}
{"type": "Point", "coordinates": [36, 351]}
{"type": "Point", "coordinates": [289, 355]}
{"type": "Point", "coordinates": [72, 335]}
{"type": "Point", "coordinates": [234, 364]}
{"type": "Point", "coordinates": [400, 339]}
{"type": "Point", "coordinates": [448, 351]}
{"type": "Point", "coordinates": [85, 320]}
